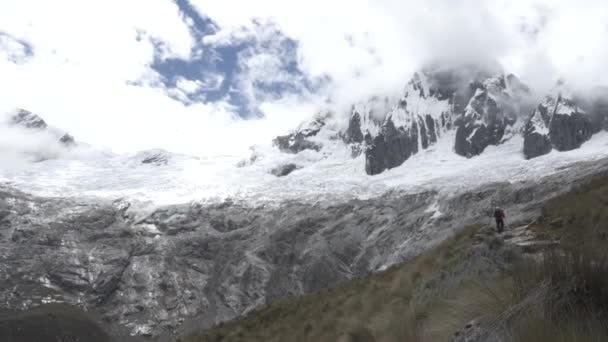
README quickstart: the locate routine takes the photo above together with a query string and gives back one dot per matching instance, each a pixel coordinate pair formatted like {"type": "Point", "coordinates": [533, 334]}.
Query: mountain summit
{"type": "Point", "coordinates": [483, 108]}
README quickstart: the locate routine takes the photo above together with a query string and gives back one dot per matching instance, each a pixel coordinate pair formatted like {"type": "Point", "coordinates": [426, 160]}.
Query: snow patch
{"type": "Point", "coordinates": [567, 109]}
{"type": "Point", "coordinates": [538, 124]}
{"type": "Point", "coordinates": [328, 175]}
{"type": "Point", "coordinates": [434, 208]}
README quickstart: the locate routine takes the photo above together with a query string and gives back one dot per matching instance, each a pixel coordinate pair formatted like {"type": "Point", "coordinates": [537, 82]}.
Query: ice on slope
{"type": "Point", "coordinates": [330, 174]}
{"type": "Point", "coordinates": [538, 124]}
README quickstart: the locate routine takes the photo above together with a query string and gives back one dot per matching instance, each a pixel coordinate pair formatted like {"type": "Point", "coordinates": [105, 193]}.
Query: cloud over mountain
{"type": "Point", "coordinates": [191, 76]}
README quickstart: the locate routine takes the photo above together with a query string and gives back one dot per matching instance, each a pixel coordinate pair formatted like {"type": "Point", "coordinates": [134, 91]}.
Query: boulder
{"type": "Point", "coordinates": [284, 170]}
{"type": "Point", "coordinates": [297, 141]}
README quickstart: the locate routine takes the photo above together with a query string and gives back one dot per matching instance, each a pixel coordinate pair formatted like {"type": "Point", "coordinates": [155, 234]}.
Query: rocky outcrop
{"type": "Point", "coordinates": [284, 170]}
{"type": "Point", "coordinates": [67, 140]}
{"type": "Point", "coordinates": [156, 157]}
{"type": "Point", "coordinates": [490, 112]}
{"type": "Point", "coordinates": [598, 108]}
{"type": "Point", "coordinates": [354, 135]}
{"type": "Point", "coordinates": [390, 148]}
{"type": "Point", "coordinates": [28, 120]}
{"type": "Point", "coordinates": [413, 123]}
{"type": "Point", "coordinates": [557, 123]}
{"type": "Point", "coordinates": [298, 140]}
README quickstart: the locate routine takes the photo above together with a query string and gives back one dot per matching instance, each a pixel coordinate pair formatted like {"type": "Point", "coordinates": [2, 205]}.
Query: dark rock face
{"type": "Point", "coordinates": [489, 113]}
{"type": "Point", "coordinates": [155, 157]}
{"type": "Point", "coordinates": [422, 114]}
{"type": "Point", "coordinates": [353, 132]}
{"type": "Point", "coordinates": [390, 148]}
{"type": "Point", "coordinates": [297, 141]}
{"type": "Point", "coordinates": [193, 265]}
{"type": "Point", "coordinates": [569, 132]}
{"type": "Point", "coordinates": [557, 123]}
{"type": "Point", "coordinates": [595, 104]}
{"type": "Point", "coordinates": [480, 106]}
{"type": "Point", "coordinates": [26, 119]}
{"type": "Point", "coordinates": [431, 127]}
{"type": "Point", "coordinates": [67, 140]}
{"type": "Point", "coordinates": [536, 144]}
{"type": "Point", "coordinates": [284, 170]}
{"type": "Point", "coordinates": [599, 108]}
{"type": "Point", "coordinates": [158, 160]}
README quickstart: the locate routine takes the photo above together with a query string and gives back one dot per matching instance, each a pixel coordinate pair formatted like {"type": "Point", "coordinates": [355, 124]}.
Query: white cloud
{"type": "Point", "coordinates": [85, 55]}
{"type": "Point", "coordinates": [86, 52]}
{"type": "Point", "coordinates": [13, 50]}
{"type": "Point", "coordinates": [370, 46]}
{"type": "Point", "coordinates": [189, 86]}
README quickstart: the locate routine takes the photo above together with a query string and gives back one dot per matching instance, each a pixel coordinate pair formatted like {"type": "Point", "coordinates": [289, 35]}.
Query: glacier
{"type": "Point", "coordinates": [330, 174]}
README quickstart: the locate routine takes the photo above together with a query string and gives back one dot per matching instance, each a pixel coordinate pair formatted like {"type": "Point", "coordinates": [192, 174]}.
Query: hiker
{"type": "Point", "coordinates": [499, 215]}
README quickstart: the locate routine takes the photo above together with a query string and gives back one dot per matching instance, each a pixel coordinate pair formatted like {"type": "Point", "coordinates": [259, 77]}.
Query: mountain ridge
{"type": "Point", "coordinates": [483, 108]}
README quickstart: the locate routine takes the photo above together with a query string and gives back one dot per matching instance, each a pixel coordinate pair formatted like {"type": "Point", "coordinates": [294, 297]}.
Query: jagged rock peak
{"type": "Point", "coordinates": [493, 108]}
{"type": "Point", "coordinates": [480, 105]}
{"type": "Point", "coordinates": [27, 119]}
{"type": "Point", "coordinates": [558, 122]}
{"type": "Point", "coordinates": [298, 140]}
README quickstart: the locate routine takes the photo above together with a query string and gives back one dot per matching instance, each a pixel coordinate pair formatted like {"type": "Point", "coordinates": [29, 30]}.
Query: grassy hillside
{"type": "Point", "coordinates": [559, 294]}
{"type": "Point", "coordinates": [378, 307]}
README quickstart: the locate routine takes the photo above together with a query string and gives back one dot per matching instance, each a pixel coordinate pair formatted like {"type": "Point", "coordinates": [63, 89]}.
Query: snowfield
{"type": "Point", "coordinates": [330, 174]}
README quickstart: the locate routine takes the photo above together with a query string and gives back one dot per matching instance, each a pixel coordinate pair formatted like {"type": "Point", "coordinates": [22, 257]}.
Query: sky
{"type": "Point", "coordinates": [213, 77]}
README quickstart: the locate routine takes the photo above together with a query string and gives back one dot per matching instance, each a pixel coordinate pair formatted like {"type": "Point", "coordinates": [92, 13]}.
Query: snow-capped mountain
{"type": "Point", "coordinates": [481, 108]}
{"type": "Point", "coordinates": [559, 123]}
{"type": "Point", "coordinates": [153, 240]}
{"type": "Point", "coordinates": [449, 126]}
{"type": "Point", "coordinates": [26, 136]}
{"type": "Point", "coordinates": [28, 120]}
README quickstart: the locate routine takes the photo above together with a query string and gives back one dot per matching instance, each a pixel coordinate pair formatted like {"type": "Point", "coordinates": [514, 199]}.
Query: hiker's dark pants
{"type": "Point", "coordinates": [500, 225]}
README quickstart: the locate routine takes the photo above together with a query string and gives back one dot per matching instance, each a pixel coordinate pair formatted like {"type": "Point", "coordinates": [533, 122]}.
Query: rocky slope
{"type": "Point", "coordinates": [528, 284]}
{"type": "Point", "coordinates": [189, 266]}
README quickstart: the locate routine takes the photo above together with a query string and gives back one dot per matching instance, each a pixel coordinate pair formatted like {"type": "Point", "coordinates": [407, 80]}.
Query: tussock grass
{"type": "Point", "coordinates": [378, 308]}
{"type": "Point", "coordinates": [573, 299]}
